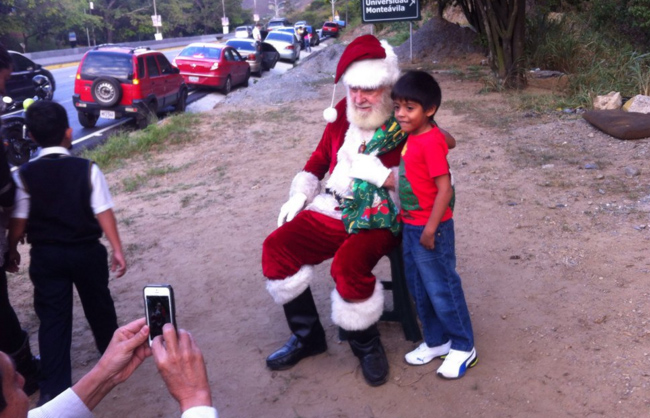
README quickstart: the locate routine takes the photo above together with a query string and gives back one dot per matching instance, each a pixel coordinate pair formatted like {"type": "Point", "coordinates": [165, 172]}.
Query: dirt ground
{"type": "Point", "coordinates": [552, 234]}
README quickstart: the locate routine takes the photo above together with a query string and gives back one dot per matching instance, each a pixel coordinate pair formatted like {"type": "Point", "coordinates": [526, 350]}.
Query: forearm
{"type": "Point", "coordinates": [108, 224]}
{"type": "Point", "coordinates": [94, 387]}
{"type": "Point", "coordinates": [440, 205]}
{"type": "Point", "coordinates": [16, 231]}
{"type": "Point", "coordinates": [391, 182]}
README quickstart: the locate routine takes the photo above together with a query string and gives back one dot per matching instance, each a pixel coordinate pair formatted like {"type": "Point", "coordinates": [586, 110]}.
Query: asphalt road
{"type": "Point", "coordinates": [90, 137]}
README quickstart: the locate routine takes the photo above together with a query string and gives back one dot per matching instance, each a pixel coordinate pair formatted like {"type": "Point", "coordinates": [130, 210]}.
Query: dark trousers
{"type": "Point", "coordinates": [53, 270]}
{"type": "Point", "coordinates": [11, 335]}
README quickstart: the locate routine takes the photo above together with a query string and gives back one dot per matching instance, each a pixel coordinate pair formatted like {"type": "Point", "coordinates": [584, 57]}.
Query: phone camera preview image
{"type": "Point", "coordinates": [159, 314]}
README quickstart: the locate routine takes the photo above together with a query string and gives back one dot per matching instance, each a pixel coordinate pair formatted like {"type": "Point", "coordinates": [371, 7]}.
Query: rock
{"type": "Point", "coordinates": [632, 171]}
{"type": "Point", "coordinates": [591, 166]}
{"type": "Point", "coordinates": [612, 100]}
{"type": "Point", "coordinates": [638, 103]}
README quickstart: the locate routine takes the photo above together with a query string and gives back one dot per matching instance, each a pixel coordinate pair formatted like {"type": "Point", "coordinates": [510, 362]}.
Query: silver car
{"type": "Point", "coordinates": [286, 44]}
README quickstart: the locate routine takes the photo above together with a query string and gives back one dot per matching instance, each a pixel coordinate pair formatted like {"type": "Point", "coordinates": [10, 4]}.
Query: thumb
{"type": "Point", "coordinates": [138, 339]}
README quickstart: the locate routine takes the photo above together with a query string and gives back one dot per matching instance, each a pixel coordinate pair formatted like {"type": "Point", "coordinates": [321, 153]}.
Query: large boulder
{"type": "Point", "coordinates": [638, 104]}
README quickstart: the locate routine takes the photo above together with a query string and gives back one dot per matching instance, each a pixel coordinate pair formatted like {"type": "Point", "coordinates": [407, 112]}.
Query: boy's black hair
{"type": "Point", "coordinates": [419, 87]}
{"type": "Point", "coordinates": [47, 122]}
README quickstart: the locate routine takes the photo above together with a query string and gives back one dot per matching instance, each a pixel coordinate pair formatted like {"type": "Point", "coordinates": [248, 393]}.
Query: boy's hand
{"type": "Point", "coordinates": [118, 264]}
{"type": "Point", "coordinates": [428, 239]}
{"type": "Point", "coordinates": [12, 261]}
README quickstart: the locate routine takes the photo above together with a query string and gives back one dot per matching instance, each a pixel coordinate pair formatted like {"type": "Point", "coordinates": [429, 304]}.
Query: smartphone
{"type": "Point", "coordinates": [159, 308]}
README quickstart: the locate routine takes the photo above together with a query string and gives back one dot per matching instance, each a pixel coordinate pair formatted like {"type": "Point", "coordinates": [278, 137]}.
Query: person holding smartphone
{"type": "Point", "coordinates": [178, 359]}
{"type": "Point", "coordinates": [13, 339]}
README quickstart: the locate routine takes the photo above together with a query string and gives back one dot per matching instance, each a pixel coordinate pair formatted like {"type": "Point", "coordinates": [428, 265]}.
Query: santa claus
{"type": "Point", "coordinates": [310, 226]}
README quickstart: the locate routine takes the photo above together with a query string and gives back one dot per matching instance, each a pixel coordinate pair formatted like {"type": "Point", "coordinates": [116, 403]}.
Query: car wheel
{"type": "Point", "coordinates": [227, 87]}
{"type": "Point", "coordinates": [148, 117]}
{"type": "Point", "coordinates": [17, 151]}
{"type": "Point", "coordinates": [106, 91]}
{"type": "Point", "coordinates": [248, 76]}
{"type": "Point", "coordinates": [181, 105]}
{"type": "Point", "coordinates": [87, 120]}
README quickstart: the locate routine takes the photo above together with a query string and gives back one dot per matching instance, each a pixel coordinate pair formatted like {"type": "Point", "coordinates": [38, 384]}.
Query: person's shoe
{"type": "Point", "coordinates": [456, 363]}
{"type": "Point", "coordinates": [28, 365]}
{"type": "Point", "coordinates": [292, 352]}
{"type": "Point", "coordinates": [424, 354]}
{"type": "Point", "coordinates": [374, 364]}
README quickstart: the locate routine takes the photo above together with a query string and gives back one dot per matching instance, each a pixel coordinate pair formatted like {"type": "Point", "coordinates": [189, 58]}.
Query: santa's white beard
{"type": "Point", "coordinates": [375, 118]}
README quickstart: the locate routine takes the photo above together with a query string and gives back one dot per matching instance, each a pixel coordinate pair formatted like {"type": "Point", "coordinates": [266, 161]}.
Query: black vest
{"type": "Point", "coordinates": [60, 213]}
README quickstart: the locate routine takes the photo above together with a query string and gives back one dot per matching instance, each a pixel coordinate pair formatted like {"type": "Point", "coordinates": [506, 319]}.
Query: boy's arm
{"type": "Point", "coordinates": [108, 223]}
{"type": "Point", "coordinates": [16, 233]}
{"type": "Point", "coordinates": [449, 138]}
{"type": "Point", "coordinates": [443, 183]}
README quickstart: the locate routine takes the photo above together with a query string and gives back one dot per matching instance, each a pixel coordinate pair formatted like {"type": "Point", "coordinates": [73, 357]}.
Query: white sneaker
{"type": "Point", "coordinates": [456, 363]}
{"type": "Point", "coordinates": [424, 354]}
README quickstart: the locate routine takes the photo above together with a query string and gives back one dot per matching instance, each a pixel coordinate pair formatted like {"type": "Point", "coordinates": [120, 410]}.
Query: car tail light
{"type": "Point", "coordinates": [251, 57]}
{"type": "Point", "coordinates": [288, 47]}
{"type": "Point", "coordinates": [136, 81]}
{"type": "Point", "coordinates": [215, 66]}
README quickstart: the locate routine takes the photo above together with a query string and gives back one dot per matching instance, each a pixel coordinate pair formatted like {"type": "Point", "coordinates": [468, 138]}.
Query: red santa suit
{"type": "Point", "coordinates": [317, 233]}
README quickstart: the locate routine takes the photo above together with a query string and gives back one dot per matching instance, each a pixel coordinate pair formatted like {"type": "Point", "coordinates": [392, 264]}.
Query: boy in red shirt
{"type": "Point", "coordinates": [425, 192]}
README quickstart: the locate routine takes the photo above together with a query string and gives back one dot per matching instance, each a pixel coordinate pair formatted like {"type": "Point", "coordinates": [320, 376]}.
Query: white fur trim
{"type": "Point", "coordinates": [373, 73]}
{"type": "Point", "coordinates": [358, 316]}
{"type": "Point", "coordinates": [330, 114]}
{"type": "Point", "coordinates": [286, 290]}
{"type": "Point", "coordinates": [306, 183]}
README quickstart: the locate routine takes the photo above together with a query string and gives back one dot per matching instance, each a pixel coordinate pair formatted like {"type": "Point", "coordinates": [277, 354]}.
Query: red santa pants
{"type": "Point", "coordinates": [311, 238]}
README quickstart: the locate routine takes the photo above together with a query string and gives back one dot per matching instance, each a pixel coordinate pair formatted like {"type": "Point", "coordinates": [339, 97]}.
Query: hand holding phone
{"type": "Point", "coordinates": [159, 308]}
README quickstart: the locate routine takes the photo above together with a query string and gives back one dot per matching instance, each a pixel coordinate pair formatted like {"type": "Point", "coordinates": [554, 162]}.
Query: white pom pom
{"type": "Point", "coordinates": [330, 114]}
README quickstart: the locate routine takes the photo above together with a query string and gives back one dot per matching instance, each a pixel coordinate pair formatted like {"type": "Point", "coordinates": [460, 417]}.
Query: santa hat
{"type": "Point", "coordinates": [365, 63]}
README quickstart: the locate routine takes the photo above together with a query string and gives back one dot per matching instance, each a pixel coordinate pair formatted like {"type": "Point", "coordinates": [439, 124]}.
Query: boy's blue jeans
{"type": "Point", "coordinates": [432, 280]}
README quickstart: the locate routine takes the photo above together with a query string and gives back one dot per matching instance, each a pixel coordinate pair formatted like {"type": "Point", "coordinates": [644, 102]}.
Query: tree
{"type": "Point", "coordinates": [503, 22]}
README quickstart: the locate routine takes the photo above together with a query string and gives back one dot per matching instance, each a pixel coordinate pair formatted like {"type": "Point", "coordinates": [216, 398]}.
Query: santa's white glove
{"type": "Point", "coordinates": [369, 168]}
{"type": "Point", "coordinates": [289, 210]}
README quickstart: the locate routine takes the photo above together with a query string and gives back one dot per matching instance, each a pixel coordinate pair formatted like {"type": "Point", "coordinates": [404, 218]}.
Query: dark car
{"type": "Point", "coordinates": [315, 39]}
{"type": "Point", "coordinates": [20, 85]}
{"type": "Point", "coordinates": [114, 81]}
{"type": "Point", "coordinates": [259, 55]}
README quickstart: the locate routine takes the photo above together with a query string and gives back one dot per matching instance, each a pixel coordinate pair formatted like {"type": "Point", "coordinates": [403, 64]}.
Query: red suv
{"type": "Point", "coordinates": [331, 29]}
{"type": "Point", "coordinates": [115, 81]}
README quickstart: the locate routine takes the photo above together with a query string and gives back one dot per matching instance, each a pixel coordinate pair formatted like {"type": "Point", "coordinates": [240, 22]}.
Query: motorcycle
{"type": "Point", "coordinates": [18, 146]}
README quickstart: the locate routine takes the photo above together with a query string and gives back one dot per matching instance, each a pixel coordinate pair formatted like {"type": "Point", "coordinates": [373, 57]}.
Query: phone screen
{"type": "Point", "coordinates": [159, 309]}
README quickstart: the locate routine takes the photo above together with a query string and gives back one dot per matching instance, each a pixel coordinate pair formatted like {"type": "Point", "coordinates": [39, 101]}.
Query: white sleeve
{"type": "Point", "coordinates": [201, 412]}
{"type": "Point", "coordinates": [100, 199]}
{"type": "Point", "coordinates": [66, 405]}
{"type": "Point", "coordinates": [21, 205]}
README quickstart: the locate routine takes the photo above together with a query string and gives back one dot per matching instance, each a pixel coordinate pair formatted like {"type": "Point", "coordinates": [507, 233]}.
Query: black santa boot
{"type": "Point", "coordinates": [27, 365]}
{"type": "Point", "coordinates": [367, 346]}
{"type": "Point", "coordinates": [308, 335]}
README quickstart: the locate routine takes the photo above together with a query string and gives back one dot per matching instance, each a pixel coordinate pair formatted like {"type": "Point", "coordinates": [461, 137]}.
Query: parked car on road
{"type": "Point", "coordinates": [113, 81]}
{"type": "Point", "coordinates": [20, 85]}
{"type": "Point", "coordinates": [259, 55]}
{"type": "Point", "coordinates": [212, 65]}
{"type": "Point", "coordinates": [244, 32]}
{"type": "Point", "coordinates": [290, 30]}
{"type": "Point", "coordinates": [286, 44]}
{"type": "Point", "coordinates": [278, 22]}
{"type": "Point", "coordinates": [331, 29]}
